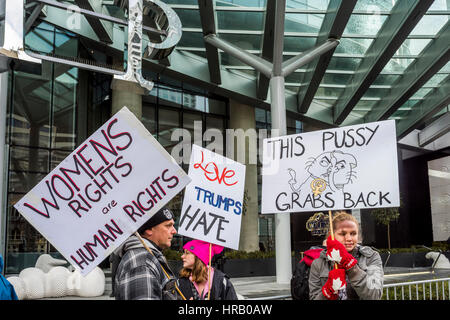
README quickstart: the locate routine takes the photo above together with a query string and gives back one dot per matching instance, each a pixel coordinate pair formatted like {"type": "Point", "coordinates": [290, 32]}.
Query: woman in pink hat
{"type": "Point", "coordinates": [193, 280]}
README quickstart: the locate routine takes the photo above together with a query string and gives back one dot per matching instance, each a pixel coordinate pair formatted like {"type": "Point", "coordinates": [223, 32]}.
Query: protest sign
{"type": "Point", "coordinates": [213, 201]}
{"type": "Point", "coordinates": [103, 191]}
{"type": "Point", "coordinates": [344, 168]}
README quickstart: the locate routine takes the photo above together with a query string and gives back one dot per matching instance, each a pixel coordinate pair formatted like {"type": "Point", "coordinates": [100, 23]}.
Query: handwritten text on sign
{"type": "Point", "coordinates": [213, 201]}
{"type": "Point", "coordinates": [103, 191]}
{"type": "Point", "coordinates": [344, 168]}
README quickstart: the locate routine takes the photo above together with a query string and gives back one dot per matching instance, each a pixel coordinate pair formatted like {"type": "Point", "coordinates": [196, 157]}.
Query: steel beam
{"type": "Point", "coordinates": [248, 58]}
{"type": "Point", "coordinates": [102, 28]}
{"type": "Point", "coordinates": [432, 103]}
{"type": "Point", "coordinates": [430, 61]}
{"type": "Point", "coordinates": [267, 48]}
{"type": "Point", "coordinates": [207, 18]}
{"type": "Point", "coordinates": [303, 58]}
{"type": "Point", "coordinates": [33, 16]}
{"type": "Point", "coordinates": [405, 16]}
{"type": "Point", "coordinates": [335, 20]}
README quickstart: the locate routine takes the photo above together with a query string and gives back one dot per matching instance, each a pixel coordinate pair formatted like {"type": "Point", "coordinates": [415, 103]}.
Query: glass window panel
{"type": "Point", "coordinates": [169, 120]}
{"type": "Point", "coordinates": [365, 105]}
{"type": "Point", "coordinates": [23, 181]}
{"type": "Point", "coordinates": [189, 18]}
{"type": "Point", "coordinates": [31, 111]}
{"type": "Point", "coordinates": [325, 102]}
{"type": "Point", "coordinates": [231, 20]}
{"type": "Point", "coordinates": [216, 106]}
{"type": "Point", "coordinates": [408, 105]}
{"type": "Point", "coordinates": [429, 25]}
{"type": "Point", "coordinates": [375, 5]}
{"type": "Point", "coordinates": [57, 157]}
{"type": "Point", "coordinates": [334, 78]}
{"type": "Point", "coordinates": [24, 243]}
{"type": "Point", "coordinates": [353, 45]}
{"type": "Point", "coordinates": [192, 121]}
{"type": "Point", "coordinates": [308, 4]}
{"type": "Point", "coordinates": [191, 39]}
{"type": "Point", "coordinates": [301, 22]}
{"type": "Point", "coordinates": [412, 46]}
{"type": "Point", "coordinates": [188, 2]}
{"type": "Point", "coordinates": [149, 118]}
{"type": "Point", "coordinates": [295, 77]}
{"type": "Point", "coordinates": [215, 123]}
{"type": "Point", "coordinates": [365, 24]}
{"type": "Point", "coordinates": [40, 40]}
{"type": "Point", "coordinates": [29, 159]}
{"type": "Point", "coordinates": [64, 111]}
{"type": "Point", "coordinates": [435, 80]}
{"type": "Point", "coordinates": [376, 93]}
{"type": "Point", "coordinates": [65, 45]}
{"type": "Point", "coordinates": [169, 97]}
{"type": "Point", "coordinates": [298, 44]}
{"type": "Point", "coordinates": [260, 115]}
{"type": "Point", "coordinates": [329, 92]}
{"type": "Point", "coordinates": [446, 68]}
{"type": "Point", "coordinates": [397, 65]}
{"type": "Point", "coordinates": [243, 41]}
{"type": "Point", "coordinates": [421, 93]}
{"type": "Point", "coordinates": [338, 63]}
{"type": "Point", "coordinates": [385, 79]}
{"type": "Point", "coordinates": [242, 3]}
{"type": "Point", "coordinates": [196, 102]}
{"type": "Point", "coordinates": [439, 5]}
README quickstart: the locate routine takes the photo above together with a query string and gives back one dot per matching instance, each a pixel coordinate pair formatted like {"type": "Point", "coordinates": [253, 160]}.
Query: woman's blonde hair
{"type": "Point", "coordinates": [199, 272]}
{"type": "Point", "coordinates": [340, 216]}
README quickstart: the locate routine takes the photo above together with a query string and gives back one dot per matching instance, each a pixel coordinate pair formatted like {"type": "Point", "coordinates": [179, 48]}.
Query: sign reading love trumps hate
{"type": "Point", "coordinates": [343, 168]}
{"type": "Point", "coordinates": [213, 201]}
{"type": "Point", "coordinates": [103, 191]}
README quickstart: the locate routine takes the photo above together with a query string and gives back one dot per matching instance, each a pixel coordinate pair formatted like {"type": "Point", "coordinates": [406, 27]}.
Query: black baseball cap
{"type": "Point", "coordinates": [159, 217]}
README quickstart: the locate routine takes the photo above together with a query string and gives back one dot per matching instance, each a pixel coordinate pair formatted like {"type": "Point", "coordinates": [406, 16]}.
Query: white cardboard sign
{"type": "Point", "coordinates": [344, 168]}
{"type": "Point", "coordinates": [213, 201]}
{"type": "Point", "coordinates": [103, 191]}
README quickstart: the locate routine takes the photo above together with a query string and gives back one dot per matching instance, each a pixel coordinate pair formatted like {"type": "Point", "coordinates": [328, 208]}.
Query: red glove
{"type": "Point", "coordinates": [336, 252]}
{"type": "Point", "coordinates": [336, 281]}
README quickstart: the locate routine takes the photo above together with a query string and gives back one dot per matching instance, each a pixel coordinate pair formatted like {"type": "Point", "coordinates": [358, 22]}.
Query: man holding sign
{"type": "Point", "coordinates": [103, 192]}
{"type": "Point", "coordinates": [144, 274]}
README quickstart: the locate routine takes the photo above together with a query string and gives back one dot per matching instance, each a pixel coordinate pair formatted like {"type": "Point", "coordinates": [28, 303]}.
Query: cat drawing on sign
{"type": "Point", "coordinates": [330, 171]}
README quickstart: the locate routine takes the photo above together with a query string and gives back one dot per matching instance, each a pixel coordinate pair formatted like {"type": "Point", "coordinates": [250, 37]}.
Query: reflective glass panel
{"type": "Point", "coordinates": [364, 24]}
{"type": "Point", "coordinates": [31, 112]}
{"type": "Point", "coordinates": [235, 20]}
{"type": "Point", "coordinates": [300, 22]}
{"type": "Point", "coordinates": [429, 25]}
{"type": "Point", "coordinates": [28, 159]}
{"type": "Point", "coordinates": [189, 18]}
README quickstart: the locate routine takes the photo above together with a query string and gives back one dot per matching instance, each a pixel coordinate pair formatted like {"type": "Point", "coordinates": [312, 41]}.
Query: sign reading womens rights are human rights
{"type": "Point", "coordinates": [103, 191]}
{"type": "Point", "coordinates": [213, 201]}
{"type": "Point", "coordinates": [343, 168]}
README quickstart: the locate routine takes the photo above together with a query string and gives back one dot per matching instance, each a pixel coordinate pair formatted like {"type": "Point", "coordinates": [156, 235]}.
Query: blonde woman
{"type": "Point", "coordinates": [359, 273]}
{"type": "Point", "coordinates": [194, 283]}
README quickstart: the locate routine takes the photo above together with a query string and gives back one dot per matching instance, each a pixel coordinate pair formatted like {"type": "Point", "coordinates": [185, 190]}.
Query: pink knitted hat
{"type": "Point", "coordinates": [201, 249]}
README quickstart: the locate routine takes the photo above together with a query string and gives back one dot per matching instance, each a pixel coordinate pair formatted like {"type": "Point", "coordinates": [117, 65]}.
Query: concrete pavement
{"type": "Point", "coordinates": [268, 288]}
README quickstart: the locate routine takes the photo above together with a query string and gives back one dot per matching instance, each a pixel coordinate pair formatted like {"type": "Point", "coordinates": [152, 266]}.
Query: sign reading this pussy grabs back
{"type": "Point", "coordinates": [344, 168]}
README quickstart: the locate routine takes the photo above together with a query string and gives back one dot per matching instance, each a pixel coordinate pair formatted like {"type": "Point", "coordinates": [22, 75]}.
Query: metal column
{"type": "Point", "coordinates": [276, 71]}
